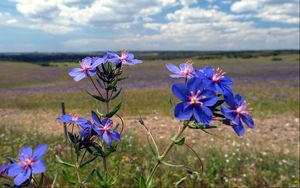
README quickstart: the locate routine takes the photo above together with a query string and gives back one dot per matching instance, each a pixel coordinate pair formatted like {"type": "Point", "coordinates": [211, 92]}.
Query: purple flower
{"type": "Point", "coordinates": [185, 70]}
{"type": "Point", "coordinates": [195, 101]}
{"type": "Point", "coordinates": [74, 119]}
{"type": "Point", "coordinates": [88, 67]}
{"type": "Point", "coordinates": [28, 164]}
{"type": "Point", "coordinates": [3, 168]}
{"type": "Point", "coordinates": [237, 111]}
{"type": "Point", "coordinates": [215, 80]}
{"type": "Point", "coordinates": [104, 129]}
{"type": "Point", "coordinates": [125, 58]}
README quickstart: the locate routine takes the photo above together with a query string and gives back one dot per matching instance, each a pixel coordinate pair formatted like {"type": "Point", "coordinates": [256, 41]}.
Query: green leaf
{"type": "Point", "coordinates": [114, 111]}
{"type": "Point", "coordinates": [99, 98]}
{"type": "Point", "coordinates": [116, 95]}
{"type": "Point", "coordinates": [142, 182]}
{"type": "Point", "coordinates": [100, 83]}
{"type": "Point", "coordinates": [68, 178]}
{"type": "Point", "coordinates": [153, 150]}
{"type": "Point", "coordinates": [180, 181]}
{"type": "Point", "coordinates": [89, 177]}
{"type": "Point", "coordinates": [171, 165]}
{"type": "Point", "coordinates": [179, 141]}
{"type": "Point", "coordinates": [123, 78]}
{"type": "Point", "coordinates": [54, 180]}
{"type": "Point", "coordinates": [87, 162]}
{"type": "Point", "coordinates": [59, 160]}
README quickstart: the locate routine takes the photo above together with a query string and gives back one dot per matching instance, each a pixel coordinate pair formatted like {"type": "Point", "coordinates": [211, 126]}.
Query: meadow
{"type": "Point", "coordinates": [267, 156]}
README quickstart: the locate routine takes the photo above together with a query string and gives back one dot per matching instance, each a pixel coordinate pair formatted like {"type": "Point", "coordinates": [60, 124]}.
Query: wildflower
{"type": "Point", "coordinates": [215, 80]}
{"type": "Point", "coordinates": [184, 70]}
{"type": "Point", "coordinates": [237, 111]}
{"type": "Point", "coordinates": [28, 164]}
{"type": "Point", "coordinates": [74, 119]}
{"type": "Point", "coordinates": [195, 101]}
{"type": "Point", "coordinates": [125, 58]}
{"type": "Point", "coordinates": [104, 129]}
{"type": "Point", "coordinates": [88, 67]}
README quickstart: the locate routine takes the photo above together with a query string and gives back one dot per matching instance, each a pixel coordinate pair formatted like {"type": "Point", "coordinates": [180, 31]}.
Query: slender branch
{"type": "Point", "coordinates": [82, 157]}
{"type": "Point", "coordinates": [162, 157]}
{"type": "Point", "coordinates": [152, 138]}
{"type": "Point", "coordinates": [201, 163]}
{"type": "Point", "coordinates": [94, 84]}
{"type": "Point", "coordinates": [122, 122]}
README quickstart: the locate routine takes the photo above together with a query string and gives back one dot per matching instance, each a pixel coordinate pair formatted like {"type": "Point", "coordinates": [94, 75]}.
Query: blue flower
{"type": "Point", "coordinates": [28, 164]}
{"type": "Point", "coordinates": [74, 119]}
{"type": "Point", "coordinates": [104, 129]}
{"type": "Point", "coordinates": [125, 58]}
{"type": "Point", "coordinates": [195, 101]}
{"type": "Point", "coordinates": [185, 70]}
{"type": "Point", "coordinates": [215, 80]}
{"type": "Point", "coordinates": [88, 67]}
{"type": "Point", "coordinates": [237, 112]}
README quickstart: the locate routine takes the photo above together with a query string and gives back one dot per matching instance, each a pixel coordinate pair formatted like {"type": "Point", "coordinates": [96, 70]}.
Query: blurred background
{"type": "Point", "coordinates": [256, 42]}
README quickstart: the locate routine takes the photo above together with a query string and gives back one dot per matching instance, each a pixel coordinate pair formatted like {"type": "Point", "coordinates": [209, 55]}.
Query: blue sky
{"type": "Point", "coordinates": [93, 25]}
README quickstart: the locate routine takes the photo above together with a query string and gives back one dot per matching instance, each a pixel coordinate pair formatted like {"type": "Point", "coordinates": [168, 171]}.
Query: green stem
{"type": "Point", "coordinates": [162, 157]}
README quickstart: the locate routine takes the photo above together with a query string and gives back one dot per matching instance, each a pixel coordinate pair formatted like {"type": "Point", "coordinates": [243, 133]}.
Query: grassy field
{"type": "Point", "coordinates": [30, 97]}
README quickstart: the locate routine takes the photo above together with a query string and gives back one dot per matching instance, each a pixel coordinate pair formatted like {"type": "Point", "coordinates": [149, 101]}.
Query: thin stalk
{"type": "Point", "coordinates": [94, 84]}
{"type": "Point", "coordinates": [152, 138]}
{"type": "Point", "coordinates": [162, 157]}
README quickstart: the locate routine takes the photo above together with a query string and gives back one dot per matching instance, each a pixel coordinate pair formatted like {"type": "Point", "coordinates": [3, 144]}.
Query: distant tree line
{"type": "Point", "coordinates": [42, 58]}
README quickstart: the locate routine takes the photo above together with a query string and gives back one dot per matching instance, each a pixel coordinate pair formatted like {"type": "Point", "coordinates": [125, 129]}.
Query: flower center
{"type": "Point", "coordinates": [218, 75]}
{"type": "Point", "coordinates": [27, 163]}
{"type": "Point", "coordinates": [188, 69]}
{"type": "Point", "coordinates": [242, 109]}
{"type": "Point", "coordinates": [124, 54]}
{"type": "Point", "coordinates": [85, 68]}
{"type": "Point", "coordinates": [195, 99]}
{"type": "Point", "coordinates": [75, 117]}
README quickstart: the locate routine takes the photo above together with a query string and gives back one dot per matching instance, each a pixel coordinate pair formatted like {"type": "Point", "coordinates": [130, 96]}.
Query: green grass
{"type": "Point", "coordinates": [222, 168]}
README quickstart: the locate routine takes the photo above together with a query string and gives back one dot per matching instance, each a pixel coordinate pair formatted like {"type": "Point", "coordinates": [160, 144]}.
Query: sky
{"type": "Point", "coordinates": [101, 25]}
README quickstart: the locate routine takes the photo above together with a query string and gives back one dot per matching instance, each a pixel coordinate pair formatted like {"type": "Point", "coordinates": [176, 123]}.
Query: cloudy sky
{"type": "Point", "coordinates": [93, 25]}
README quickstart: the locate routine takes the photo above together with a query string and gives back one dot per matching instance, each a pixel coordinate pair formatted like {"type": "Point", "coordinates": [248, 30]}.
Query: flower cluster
{"type": "Point", "coordinates": [28, 164]}
{"type": "Point", "coordinates": [202, 97]}
{"type": "Point", "coordinates": [89, 64]}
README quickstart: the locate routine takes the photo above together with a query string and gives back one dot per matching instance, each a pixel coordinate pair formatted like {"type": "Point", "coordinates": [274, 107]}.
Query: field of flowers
{"type": "Point", "coordinates": [30, 98]}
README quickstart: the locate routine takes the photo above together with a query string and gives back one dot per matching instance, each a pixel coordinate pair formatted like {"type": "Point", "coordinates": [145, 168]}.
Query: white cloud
{"type": "Point", "coordinates": [270, 10]}
{"type": "Point", "coordinates": [66, 15]}
{"type": "Point", "coordinates": [200, 29]}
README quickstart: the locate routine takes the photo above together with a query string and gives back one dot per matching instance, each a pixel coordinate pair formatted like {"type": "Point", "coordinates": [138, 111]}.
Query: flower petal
{"type": "Point", "coordinates": [239, 129]}
{"type": "Point", "coordinates": [182, 112]}
{"type": "Point", "coordinates": [25, 153]}
{"type": "Point", "coordinates": [79, 77]}
{"type": "Point", "coordinates": [106, 139]}
{"type": "Point", "coordinates": [38, 167]}
{"type": "Point", "coordinates": [228, 113]}
{"type": "Point", "coordinates": [65, 118]}
{"type": "Point", "coordinates": [248, 120]}
{"type": "Point", "coordinates": [209, 72]}
{"type": "Point", "coordinates": [229, 99]}
{"type": "Point", "coordinates": [39, 151]}
{"type": "Point", "coordinates": [194, 84]}
{"type": "Point", "coordinates": [97, 61]}
{"type": "Point", "coordinates": [115, 135]}
{"type": "Point", "coordinates": [14, 169]}
{"type": "Point", "coordinates": [202, 114]}
{"type": "Point", "coordinates": [75, 71]}
{"type": "Point", "coordinates": [172, 68]}
{"type": "Point", "coordinates": [96, 119]}
{"type": "Point", "coordinates": [210, 98]}
{"type": "Point", "coordinates": [22, 177]}
{"type": "Point", "coordinates": [180, 91]}
{"type": "Point", "coordinates": [239, 100]}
